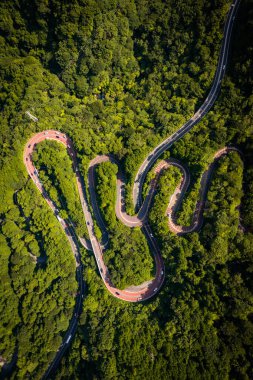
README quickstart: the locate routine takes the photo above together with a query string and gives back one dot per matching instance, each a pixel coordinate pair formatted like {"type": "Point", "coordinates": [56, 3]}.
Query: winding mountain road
{"type": "Point", "coordinates": [150, 288]}
{"type": "Point", "coordinates": [132, 294]}
{"type": "Point", "coordinates": [201, 112]}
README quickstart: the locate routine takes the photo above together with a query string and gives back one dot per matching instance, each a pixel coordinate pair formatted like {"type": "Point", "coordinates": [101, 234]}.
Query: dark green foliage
{"type": "Point", "coordinates": [167, 183]}
{"type": "Point", "coordinates": [127, 257]}
{"type": "Point", "coordinates": [39, 264]}
{"type": "Point", "coordinates": [56, 173]}
{"type": "Point", "coordinates": [117, 77]}
{"type": "Point", "coordinates": [8, 310]}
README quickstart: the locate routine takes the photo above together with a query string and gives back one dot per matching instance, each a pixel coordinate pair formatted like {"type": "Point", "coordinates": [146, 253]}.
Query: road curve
{"type": "Point", "coordinates": [147, 290]}
{"type": "Point", "coordinates": [178, 195]}
{"type": "Point", "coordinates": [141, 219]}
{"type": "Point", "coordinates": [132, 294]}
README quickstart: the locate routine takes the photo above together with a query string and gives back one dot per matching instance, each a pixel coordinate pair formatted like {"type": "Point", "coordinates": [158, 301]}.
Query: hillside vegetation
{"type": "Point", "coordinates": [118, 77]}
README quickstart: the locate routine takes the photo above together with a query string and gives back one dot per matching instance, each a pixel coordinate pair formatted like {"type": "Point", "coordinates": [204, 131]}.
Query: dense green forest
{"type": "Point", "coordinates": [56, 173]}
{"type": "Point", "coordinates": [128, 263]}
{"type": "Point", "coordinates": [118, 77]}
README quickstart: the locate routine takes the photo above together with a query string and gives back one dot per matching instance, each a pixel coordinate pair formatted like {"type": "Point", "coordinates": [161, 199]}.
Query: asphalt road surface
{"type": "Point", "coordinates": [149, 289]}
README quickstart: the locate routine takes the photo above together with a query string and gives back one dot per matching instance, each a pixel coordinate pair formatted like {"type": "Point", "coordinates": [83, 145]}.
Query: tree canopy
{"type": "Point", "coordinates": [118, 77]}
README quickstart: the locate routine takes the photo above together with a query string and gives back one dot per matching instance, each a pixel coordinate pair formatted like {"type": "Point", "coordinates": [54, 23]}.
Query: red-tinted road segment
{"type": "Point", "coordinates": [134, 294]}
